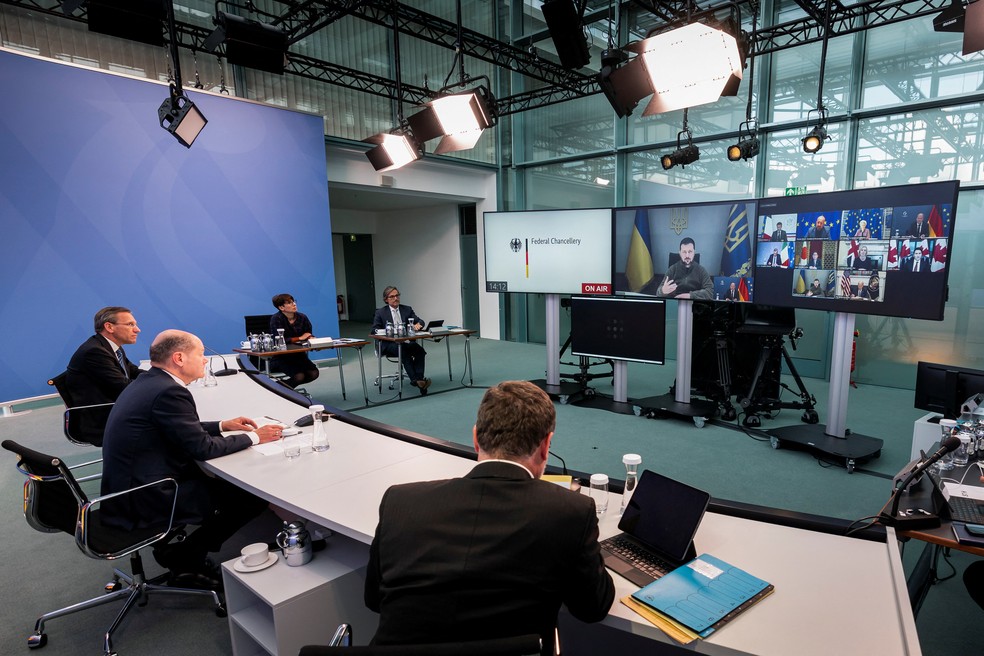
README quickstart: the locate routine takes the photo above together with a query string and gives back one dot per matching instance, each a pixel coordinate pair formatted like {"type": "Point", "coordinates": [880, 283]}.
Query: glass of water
{"type": "Point", "coordinates": [599, 492]}
{"type": "Point", "coordinates": [292, 445]}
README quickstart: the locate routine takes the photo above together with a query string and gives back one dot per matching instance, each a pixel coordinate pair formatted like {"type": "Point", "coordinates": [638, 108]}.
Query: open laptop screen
{"type": "Point", "coordinates": [664, 514]}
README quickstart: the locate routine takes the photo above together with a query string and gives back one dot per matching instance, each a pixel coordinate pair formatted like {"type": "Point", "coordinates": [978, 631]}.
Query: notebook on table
{"type": "Point", "coordinates": [658, 527]}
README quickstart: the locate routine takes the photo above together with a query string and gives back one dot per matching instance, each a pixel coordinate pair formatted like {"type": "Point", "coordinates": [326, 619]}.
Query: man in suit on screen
{"type": "Point", "coordinates": [494, 553]}
{"type": "Point", "coordinates": [778, 234]}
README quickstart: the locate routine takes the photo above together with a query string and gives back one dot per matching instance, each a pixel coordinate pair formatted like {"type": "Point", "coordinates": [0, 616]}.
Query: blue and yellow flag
{"type": "Point", "coordinates": [639, 265]}
{"type": "Point", "coordinates": [800, 282]}
{"type": "Point", "coordinates": [736, 260]}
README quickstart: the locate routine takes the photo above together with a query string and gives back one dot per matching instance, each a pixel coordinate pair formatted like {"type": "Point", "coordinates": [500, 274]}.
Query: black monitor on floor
{"type": "Point", "coordinates": [619, 328]}
{"type": "Point", "coordinates": [943, 388]}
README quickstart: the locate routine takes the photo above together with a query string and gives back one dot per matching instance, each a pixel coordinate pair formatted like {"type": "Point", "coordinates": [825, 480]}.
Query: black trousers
{"type": "Point", "coordinates": [297, 366]}
{"type": "Point", "coordinates": [974, 580]}
{"type": "Point", "coordinates": [413, 358]}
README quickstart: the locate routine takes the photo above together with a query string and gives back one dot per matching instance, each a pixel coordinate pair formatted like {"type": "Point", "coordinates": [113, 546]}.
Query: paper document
{"type": "Point", "coordinates": [320, 341]}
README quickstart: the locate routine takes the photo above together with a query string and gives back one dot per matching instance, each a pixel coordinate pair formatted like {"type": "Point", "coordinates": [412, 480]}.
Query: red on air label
{"type": "Point", "coordinates": [596, 288]}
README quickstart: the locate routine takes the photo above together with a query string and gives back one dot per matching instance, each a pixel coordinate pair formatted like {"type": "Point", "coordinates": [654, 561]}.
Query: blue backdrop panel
{"type": "Point", "coordinates": [100, 206]}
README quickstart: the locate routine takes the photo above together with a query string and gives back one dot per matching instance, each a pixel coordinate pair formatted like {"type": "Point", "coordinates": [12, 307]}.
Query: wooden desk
{"type": "Point", "coordinates": [399, 341]}
{"type": "Point", "coordinates": [834, 595]}
{"type": "Point", "coordinates": [338, 345]}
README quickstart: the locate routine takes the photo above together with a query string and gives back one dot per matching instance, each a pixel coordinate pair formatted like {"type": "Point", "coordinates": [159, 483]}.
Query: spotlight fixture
{"type": "Point", "coordinates": [392, 150]}
{"type": "Point", "coordinates": [459, 119]}
{"type": "Point", "coordinates": [748, 145]}
{"type": "Point", "coordinates": [563, 19]}
{"type": "Point", "coordinates": [181, 117]}
{"type": "Point", "coordinates": [249, 42]}
{"type": "Point", "coordinates": [814, 139]}
{"type": "Point", "coordinates": [683, 155]}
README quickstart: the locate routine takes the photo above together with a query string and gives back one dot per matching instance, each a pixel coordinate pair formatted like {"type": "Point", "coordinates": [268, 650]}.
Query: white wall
{"type": "Point", "coordinates": [418, 250]}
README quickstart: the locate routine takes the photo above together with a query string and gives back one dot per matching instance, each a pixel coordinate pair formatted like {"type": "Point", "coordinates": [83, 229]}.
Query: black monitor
{"type": "Point", "coordinates": [883, 251]}
{"type": "Point", "coordinates": [943, 387]}
{"type": "Point", "coordinates": [619, 328]}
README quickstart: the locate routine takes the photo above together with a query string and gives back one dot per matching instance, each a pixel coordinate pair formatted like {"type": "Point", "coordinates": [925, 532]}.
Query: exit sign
{"type": "Point", "coordinates": [795, 191]}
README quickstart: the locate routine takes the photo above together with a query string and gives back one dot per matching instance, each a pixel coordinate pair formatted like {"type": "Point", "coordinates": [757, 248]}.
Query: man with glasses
{"type": "Point", "coordinates": [413, 354]}
{"type": "Point", "coordinates": [99, 370]}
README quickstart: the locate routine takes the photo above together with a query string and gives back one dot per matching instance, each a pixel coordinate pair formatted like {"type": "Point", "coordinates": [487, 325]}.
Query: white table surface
{"type": "Point", "coordinates": [834, 595]}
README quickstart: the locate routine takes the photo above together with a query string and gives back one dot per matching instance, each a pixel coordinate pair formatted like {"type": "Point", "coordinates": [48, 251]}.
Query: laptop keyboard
{"type": "Point", "coordinates": [966, 510]}
{"type": "Point", "coordinates": [636, 556]}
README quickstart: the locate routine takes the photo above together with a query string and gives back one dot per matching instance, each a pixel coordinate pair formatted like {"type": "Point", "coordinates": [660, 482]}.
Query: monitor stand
{"type": "Point", "coordinates": [833, 439]}
{"type": "Point", "coordinates": [679, 404]}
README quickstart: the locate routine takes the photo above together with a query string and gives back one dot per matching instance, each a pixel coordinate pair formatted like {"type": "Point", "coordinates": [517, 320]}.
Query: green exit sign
{"type": "Point", "coordinates": [795, 191]}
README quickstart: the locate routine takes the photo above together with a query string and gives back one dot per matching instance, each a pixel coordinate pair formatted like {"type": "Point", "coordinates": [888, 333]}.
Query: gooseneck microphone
{"type": "Point", "coordinates": [225, 371]}
{"type": "Point", "coordinates": [927, 519]}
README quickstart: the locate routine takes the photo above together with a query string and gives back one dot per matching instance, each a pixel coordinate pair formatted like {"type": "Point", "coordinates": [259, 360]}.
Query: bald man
{"type": "Point", "coordinates": [154, 432]}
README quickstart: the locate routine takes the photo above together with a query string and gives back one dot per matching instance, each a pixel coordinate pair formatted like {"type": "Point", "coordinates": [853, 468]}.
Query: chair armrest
{"type": "Point", "coordinates": [84, 524]}
{"type": "Point", "coordinates": [91, 477]}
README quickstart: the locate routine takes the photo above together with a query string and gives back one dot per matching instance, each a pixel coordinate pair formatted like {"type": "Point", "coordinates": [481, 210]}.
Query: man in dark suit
{"type": "Point", "coordinates": [413, 353]}
{"type": "Point", "coordinates": [775, 259]}
{"type": "Point", "coordinates": [731, 294]}
{"type": "Point", "coordinates": [778, 234]}
{"type": "Point", "coordinates": [99, 370]}
{"type": "Point", "coordinates": [918, 263]}
{"type": "Point", "coordinates": [919, 228]}
{"type": "Point", "coordinates": [496, 552]}
{"type": "Point", "coordinates": [819, 230]}
{"type": "Point", "coordinates": [154, 433]}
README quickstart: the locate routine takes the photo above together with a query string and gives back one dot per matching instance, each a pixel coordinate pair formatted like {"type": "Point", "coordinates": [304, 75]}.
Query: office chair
{"type": "Point", "coordinates": [524, 645]}
{"type": "Point", "coordinates": [675, 257]}
{"type": "Point", "coordinates": [55, 502]}
{"type": "Point", "coordinates": [392, 378]}
{"type": "Point", "coordinates": [96, 414]}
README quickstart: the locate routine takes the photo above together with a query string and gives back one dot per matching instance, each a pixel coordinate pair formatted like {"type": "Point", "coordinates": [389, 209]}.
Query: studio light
{"type": "Point", "coordinates": [181, 117]}
{"type": "Point", "coordinates": [249, 42]}
{"type": "Point", "coordinates": [682, 156]}
{"type": "Point", "coordinates": [459, 120]}
{"type": "Point", "coordinates": [137, 20]}
{"type": "Point", "coordinates": [744, 149]}
{"type": "Point", "coordinates": [563, 19]}
{"type": "Point", "coordinates": [392, 150]}
{"type": "Point", "coordinates": [813, 141]}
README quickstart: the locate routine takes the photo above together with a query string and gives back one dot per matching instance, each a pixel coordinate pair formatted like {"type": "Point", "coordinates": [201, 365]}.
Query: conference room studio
{"type": "Point", "coordinates": [738, 239]}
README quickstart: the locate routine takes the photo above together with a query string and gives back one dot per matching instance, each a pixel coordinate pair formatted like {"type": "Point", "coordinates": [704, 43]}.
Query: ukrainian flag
{"type": "Point", "coordinates": [800, 282]}
{"type": "Point", "coordinates": [639, 265]}
{"type": "Point", "coordinates": [736, 258]}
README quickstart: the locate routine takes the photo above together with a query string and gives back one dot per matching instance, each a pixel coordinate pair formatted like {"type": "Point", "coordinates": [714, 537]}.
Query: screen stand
{"type": "Point", "coordinates": [834, 439]}
{"type": "Point", "coordinates": [552, 385]}
{"type": "Point", "coordinates": [680, 404]}
{"type": "Point", "coordinates": [619, 401]}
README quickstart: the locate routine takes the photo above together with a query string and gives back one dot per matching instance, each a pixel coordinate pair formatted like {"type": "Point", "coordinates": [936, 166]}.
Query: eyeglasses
{"type": "Point", "coordinates": [393, 296]}
{"type": "Point", "coordinates": [130, 324]}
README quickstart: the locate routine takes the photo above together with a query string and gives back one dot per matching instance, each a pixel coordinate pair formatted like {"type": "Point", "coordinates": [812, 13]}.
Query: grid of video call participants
{"type": "Point", "coordinates": [857, 254]}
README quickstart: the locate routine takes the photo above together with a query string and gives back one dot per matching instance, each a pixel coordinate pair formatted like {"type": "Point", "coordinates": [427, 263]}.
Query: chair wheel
{"type": "Point", "coordinates": [37, 641]}
{"type": "Point", "coordinates": [220, 611]}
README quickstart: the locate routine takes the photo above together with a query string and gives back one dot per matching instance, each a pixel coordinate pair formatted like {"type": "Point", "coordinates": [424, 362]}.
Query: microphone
{"type": "Point", "coordinates": [562, 463]}
{"type": "Point", "coordinates": [926, 520]}
{"type": "Point", "coordinates": [225, 371]}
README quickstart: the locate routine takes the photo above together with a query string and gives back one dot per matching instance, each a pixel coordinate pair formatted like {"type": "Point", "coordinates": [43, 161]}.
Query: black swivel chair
{"type": "Point", "coordinates": [524, 645]}
{"type": "Point", "coordinates": [394, 378]}
{"type": "Point", "coordinates": [54, 502]}
{"type": "Point", "coordinates": [95, 416]}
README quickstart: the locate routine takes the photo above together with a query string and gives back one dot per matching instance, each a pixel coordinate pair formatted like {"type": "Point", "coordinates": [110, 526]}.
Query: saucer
{"type": "Point", "coordinates": [239, 566]}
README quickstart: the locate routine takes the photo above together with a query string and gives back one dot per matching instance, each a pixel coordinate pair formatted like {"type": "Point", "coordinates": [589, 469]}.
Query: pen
{"type": "Point", "coordinates": [273, 419]}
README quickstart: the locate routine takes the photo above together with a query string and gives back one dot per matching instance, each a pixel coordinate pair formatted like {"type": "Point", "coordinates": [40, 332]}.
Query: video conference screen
{"type": "Point", "coordinates": [877, 251]}
{"type": "Point", "coordinates": [549, 251]}
{"type": "Point", "coordinates": [618, 328]}
{"type": "Point", "coordinates": [698, 251]}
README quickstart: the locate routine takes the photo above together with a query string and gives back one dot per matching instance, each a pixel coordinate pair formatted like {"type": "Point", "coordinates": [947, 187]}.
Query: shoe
{"type": "Point", "coordinates": [423, 390]}
{"type": "Point", "coordinates": [194, 581]}
{"type": "Point", "coordinates": [427, 383]}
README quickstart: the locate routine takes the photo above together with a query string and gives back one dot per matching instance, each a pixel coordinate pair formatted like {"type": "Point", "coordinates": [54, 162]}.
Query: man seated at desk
{"type": "Point", "coordinates": [297, 328]}
{"type": "Point", "coordinates": [496, 552]}
{"type": "Point", "coordinates": [153, 433]}
{"type": "Point", "coordinates": [99, 369]}
{"type": "Point", "coordinates": [413, 354]}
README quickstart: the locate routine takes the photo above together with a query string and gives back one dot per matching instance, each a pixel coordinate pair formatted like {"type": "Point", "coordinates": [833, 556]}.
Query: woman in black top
{"type": "Point", "coordinates": [871, 291]}
{"type": "Point", "coordinates": [297, 328]}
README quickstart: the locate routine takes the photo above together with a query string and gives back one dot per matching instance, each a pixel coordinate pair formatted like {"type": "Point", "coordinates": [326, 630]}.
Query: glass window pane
{"type": "Point", "coordinates": [790, 167]}
{"type": "Point", "coordinates": [712, 174]}
{"type": "Point", "coordinates": [584, 183]}
{"type": "Point", "coordinates": [795, 75]}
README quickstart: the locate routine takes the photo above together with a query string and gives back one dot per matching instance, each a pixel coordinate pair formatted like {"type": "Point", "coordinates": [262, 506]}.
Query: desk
{"type": "Point", "coordinates": [834, 595]}
{"type": "Point", "coordinates": [338, 345]}
{"type": "Point", "coordinates": [399, 341]}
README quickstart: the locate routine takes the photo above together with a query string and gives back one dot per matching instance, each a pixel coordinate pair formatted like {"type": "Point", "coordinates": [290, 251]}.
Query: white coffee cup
{"type": "Point", "coordinates": [380, 331]}
{"type": "Point", "coordinates": [255, 554]}
{"type": "Point", "coordinates": [244, 344]}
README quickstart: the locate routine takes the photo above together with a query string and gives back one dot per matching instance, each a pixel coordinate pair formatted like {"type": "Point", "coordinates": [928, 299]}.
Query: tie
{"type": "Point", "coordinates": [917, 268]}
{"type": "Point", "coordinates": [122, 359]}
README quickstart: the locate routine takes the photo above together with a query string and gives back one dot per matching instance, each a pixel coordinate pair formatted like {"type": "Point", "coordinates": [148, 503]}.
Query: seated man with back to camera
{"type": "Point", "coordinates": [413, 353]}
{"type": "Point", "coordinates": [153, 433]}
{"type": "Point", "coordinates": [494, 553]}
{"type": "Point", "coordinates": [99, 369]}
{"type": "Point", "coordinates": [297, 328]}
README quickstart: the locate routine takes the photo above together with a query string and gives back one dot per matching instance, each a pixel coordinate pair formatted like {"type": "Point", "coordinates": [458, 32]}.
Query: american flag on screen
{"type": "Point", "coordinates": [846, 285]}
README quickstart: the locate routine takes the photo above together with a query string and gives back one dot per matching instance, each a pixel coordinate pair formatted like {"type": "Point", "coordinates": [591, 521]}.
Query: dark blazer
{"type": "Point", "coordinates": [778, 235]}
{"type": "Point", "coordinates": [925, 265]}
{"type": "Point", "coordinates": [94, 376]}
{"type": "Point", "coordinates": [154, 432]}
{"type": "Point", "coordinates": [774, 260]}
{"type": "Point", "coordinates": [919, 230]}
{"type": "Point", "coordinates": [384, 314]}
{"type": "Point", "coordinates": [493, 553]}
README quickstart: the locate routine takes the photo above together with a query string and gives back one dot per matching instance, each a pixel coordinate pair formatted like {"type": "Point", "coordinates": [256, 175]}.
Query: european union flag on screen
{"type": "Point", "coordinates": [872, 226]}
{"type": "Point", "coordinates": [736, 259]}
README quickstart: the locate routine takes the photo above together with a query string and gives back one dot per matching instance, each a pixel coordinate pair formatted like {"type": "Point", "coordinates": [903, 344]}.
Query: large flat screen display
{"type": "Point", "coordinates": [549, 251]}
{"type": "Point", "coordinates": [869, 251]}
{"type": "Point", "coordinates": [698, 251]}
{"type": "Point", "coordinates": [619, 328]}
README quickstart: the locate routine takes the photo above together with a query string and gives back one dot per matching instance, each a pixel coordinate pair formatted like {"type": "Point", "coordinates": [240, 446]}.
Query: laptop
{"type": "Point", "coordinates": [658, 527]}
{"type": "Point", "coordinates": [435, 326]}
